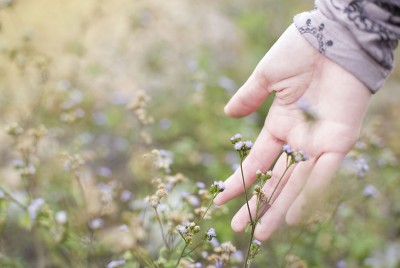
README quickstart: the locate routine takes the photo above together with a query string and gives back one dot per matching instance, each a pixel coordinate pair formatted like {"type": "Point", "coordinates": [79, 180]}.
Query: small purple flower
{"type": "Point", "coordinates": [198, 265]}
{"type": "Point", "coordinates": [185, 195]}
{"type": "Point", "coordinates": [300, 156]}
{"type": "Point", "coordinates": [341, 264]}
{"type": "Point", "coordinates": [182, 229]}
{"type": "Point", "coordinates": [96, 223]}
{"type": "Point", "coordinates": [303, 104]}
{"type": "Point", "coordinates": [104, 172]}
{"type": "Point", "coordinates": [370, 191]}
{"type": "Point", "coordinates": [116, 263]}
{"type": "Point", "coordinates": [248, 144]}
{"type": "Point", "coordinates": [123, 228]}
{"type": "Point", "coordinates": [236, 138]}
{"type": "Point", "coordinates": [287, 149]}
{"type": "Point", "coordinates": [362, 167]}
{"type": "Point", "coordinates": [34, 207]}
{"type": "Point", "coordinates": [194, 200]}
{"type": "Point", "coordinates": [305, 155]}
{"type": "Point", "coordinates": [17, 163]}
{"type": "Point", "coordinates": [256, 242]}
{"type": "Point", "coordinates": [220, 185]}
{"type": "Point", "coordinates": [238, 146]}
{"type": "Point", "coordinates": [219, 264]}
{"type": "Point", "coordinates": [125, 196]}
{"type": "Point", "coordinates": [217, 187]}
{"type": "Point", "coordinates": [211, 234]}
{"type": "Point", "coordinates": [200, 185]}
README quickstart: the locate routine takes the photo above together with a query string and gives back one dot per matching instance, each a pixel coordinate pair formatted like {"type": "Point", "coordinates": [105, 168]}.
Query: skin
{"type": "Point", "coordinates": [294, 70]}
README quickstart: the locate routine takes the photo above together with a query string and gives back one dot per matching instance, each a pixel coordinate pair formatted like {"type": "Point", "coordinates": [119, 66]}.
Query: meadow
{"type": "Point", "coordinates": [113, 141]}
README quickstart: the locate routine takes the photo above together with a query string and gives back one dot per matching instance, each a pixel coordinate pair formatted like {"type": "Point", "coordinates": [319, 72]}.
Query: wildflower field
{"type": "Point", "coordinates": [114, 143]}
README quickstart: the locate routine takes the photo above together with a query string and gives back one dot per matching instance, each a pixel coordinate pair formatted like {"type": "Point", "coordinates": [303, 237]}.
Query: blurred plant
{"type": "Point", "coordinates": [263, 202]}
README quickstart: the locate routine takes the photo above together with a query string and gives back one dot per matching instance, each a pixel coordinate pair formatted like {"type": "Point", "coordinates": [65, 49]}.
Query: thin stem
{"type": "Point", "coordinates": [161, 228]}
{"type": "Point", "coordinates": [246, 264]}
{"type": "Point", "coordinates": [208, 207]}
{"type": "Point", "coordinates": [245, 191]}
{"type": "Point", "coordinates": [180, 257]}
{"type": "Point", "coordinates": [12, 198]}
{"type": "Point", "coordinates": [193, 249]}
{"type": "Point", "coordinates": [280, 179]}
{"type": "Point", "coordinates": [81, 188]}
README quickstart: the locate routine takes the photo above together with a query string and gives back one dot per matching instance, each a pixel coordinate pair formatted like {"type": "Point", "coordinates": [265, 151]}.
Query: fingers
{"type": "Point", "coordinates": [258, 159]}
{"type": "Point", "coordinates": [319, 180]}
{"type": "Point", "coordinates": [275, 216]}
{"type": "Point", "coordinates": [298, 189]}
{"type": "Point", "coordinates": [242, 217]}
{"type": "Point", "coordinates": [250, 96]}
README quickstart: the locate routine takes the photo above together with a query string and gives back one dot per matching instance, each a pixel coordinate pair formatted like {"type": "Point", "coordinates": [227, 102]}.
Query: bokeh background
{"type": "Point", "coordinates": [88, 87]}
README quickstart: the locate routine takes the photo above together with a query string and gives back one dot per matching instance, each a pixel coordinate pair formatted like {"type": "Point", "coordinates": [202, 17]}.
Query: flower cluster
{"type": "Point", "coordinates": [254, 249]}
{"type": "Point", "coordinates": [262, 178]}
{"type": "Point", "coordinates": [305, 107]}
{"type": "Point", "coordinates": [243, 147]}
{"type": "Point", "coordinates": [161, 192]}
{"type": "Point", "coordinates": [217, 187]}
{"type": "Point", "coordinates": [295, 156]}
{"type": "Point", "coordinates": [222, 255]}
{"type": "Point", "coordinates": [187, 231]}
{"type": "Point", "coordinates": [211, 234]}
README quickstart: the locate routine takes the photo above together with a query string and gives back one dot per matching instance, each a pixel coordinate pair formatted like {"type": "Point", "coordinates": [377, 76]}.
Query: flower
{"type": "Point", "coordinates": [182, 229]}
{"type": "Point", "coordinates": [370, 191]}
{"type": "Point", "coordinates": [341, 264]}
{"type": "Point", "coordinates": [304, 105]}
{"type": "Point", "coordinates": [104, 172]}
{"type": "Point", "coordinates": [219, 264]}
{"type": "Point", "coordinates": [125, 196]}
{"type": "Point", "coordinates": [220, 185]}
{"type": "Point", "coordinates": [61, 217]}
{"type": "Point", "coordinates": [200, 185]}
{"type": "Point", "coordinates": [96, 223]}
{"type": "Point", "coordinates": [300, 156]}
{"type": "Point", "coordinates": [35, 207]}
{"type": "Point", "coordinates": [238, 146]}
{"type": "Point", "coordinates": [287, 149]}
{"type": "Point", "coordinates": [116, 263]}
{"type": "Point", "coordinates": [217, 187]}
{"type": "Point", "coordinates": [362, 167]}
{"type": "Point", "coordinates": [248, 144]}
{"type": "Point", "coordinates": [236, 138]}
{"type": "Point", "coordinates": [256, 242]}
{"type": "Point", "coordinates": [123, 228]}
{"type": "Point", "coordinates": [211, 234]}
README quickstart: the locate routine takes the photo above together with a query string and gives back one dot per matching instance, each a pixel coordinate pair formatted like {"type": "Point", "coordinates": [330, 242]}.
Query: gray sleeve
{"type": "Point", "coordinates": [359, 35]}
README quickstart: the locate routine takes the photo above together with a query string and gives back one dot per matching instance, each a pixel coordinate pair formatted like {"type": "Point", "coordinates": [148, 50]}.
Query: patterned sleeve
{"type": "Point", "coordinates": [359, 35]}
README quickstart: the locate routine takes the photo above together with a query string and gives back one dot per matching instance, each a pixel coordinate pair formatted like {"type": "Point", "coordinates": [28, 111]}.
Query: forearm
{"type": "Point", "coordinates": [358, 35]}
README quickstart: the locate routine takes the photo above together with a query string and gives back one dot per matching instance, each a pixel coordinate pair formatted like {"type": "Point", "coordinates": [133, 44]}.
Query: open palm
{"type": "Point", "coordinates": [295, 71]}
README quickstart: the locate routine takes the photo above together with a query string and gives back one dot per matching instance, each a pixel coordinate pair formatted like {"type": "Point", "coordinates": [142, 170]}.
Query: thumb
{"type": "Point", "coordinates": [250, 96]}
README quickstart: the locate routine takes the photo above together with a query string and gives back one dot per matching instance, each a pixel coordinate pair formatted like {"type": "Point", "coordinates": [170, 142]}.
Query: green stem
{"type": "Point", "coordinates": [180, 257]}
{"type": "Point", "coordinates": [245, 191]}
{"type": "Point", "coordinates": [208, 207]}
{"type": "Point", "coordinates": [193, 249]}
{"type": "Point", "coordinates": [246, 264]}
{"type": "Point", "coordinates": [280, 179]}
{"type": "Point", "coordinates": [12, 198]}
{"type": "Point", "coordinates": [161, 228]}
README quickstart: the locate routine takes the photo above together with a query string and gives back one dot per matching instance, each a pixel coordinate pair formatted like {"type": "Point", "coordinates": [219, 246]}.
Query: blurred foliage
{"type": "Point", "coordinates": [89, 87]}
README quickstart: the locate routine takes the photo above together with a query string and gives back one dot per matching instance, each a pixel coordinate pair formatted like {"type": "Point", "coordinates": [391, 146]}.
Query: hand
{"type": "Point", "coordinates": [293, 69]}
